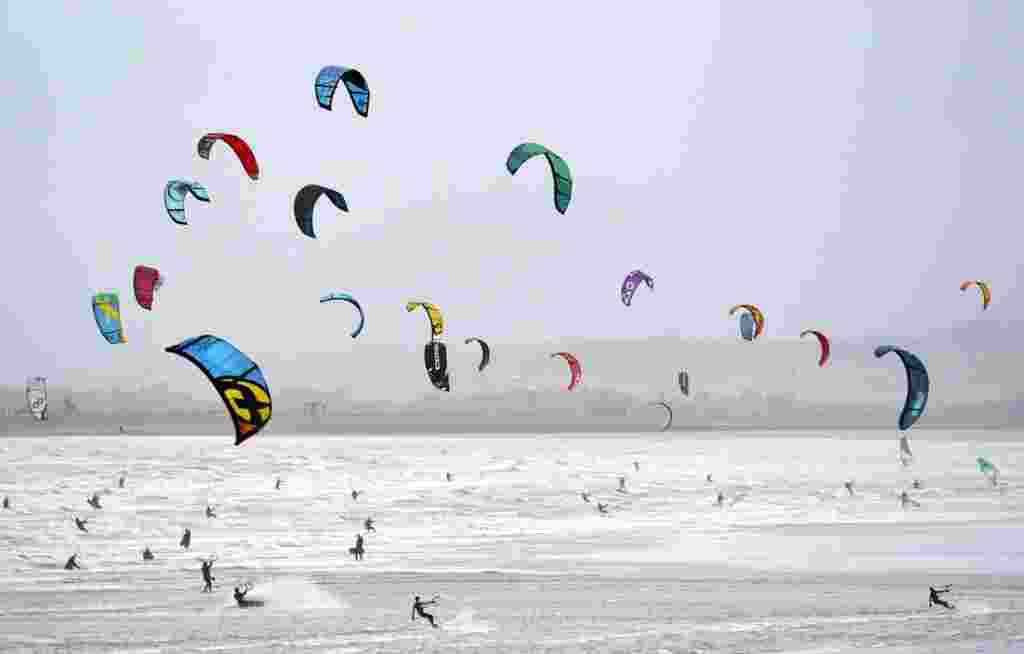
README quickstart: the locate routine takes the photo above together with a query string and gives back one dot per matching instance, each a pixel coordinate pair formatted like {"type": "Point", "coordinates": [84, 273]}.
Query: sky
{"type": "Point", "coordinates": [842, 165]}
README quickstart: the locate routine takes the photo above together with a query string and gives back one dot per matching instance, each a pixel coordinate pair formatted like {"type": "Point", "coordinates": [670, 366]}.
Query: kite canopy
{"type": "Point", "coordinates": [632, 282]}
{"type": "Point", "coordinates": [559, 170]}
{"type": "Point", "coordinates": [485, 352]}
{"type": "Point", "coordinates": [326, 83]}
{"type": "Point", "coordinates": [433, 315]}
{"type": "Point", "coordinates": [917, 385]}
{"type": "Point", "coordinates": [306, 199]}
{"type": "Point", "coordinates": [146, 282]}
{"type": "Point", "coordinates": [684, 383]}
{"type": "Point", "coordinates": [237, 378]}
{"type": "Point", "coordinates": [574, 368]}
{"type": "Point", "coordinates": [823, 341]}
{"type": "Point", "coordinates": [757, 316]}
{"type": "Point", "coordinates": [345, 297]}
{"type": "Point", "coordinates": [435, 358]}
{"type": "Point", "coordinates": [667, 425]}
{"type": "Point", "coordinates": [175, 193]}
{"type": "Point", "coordinates": [986, 292]}
{"type": "Point", "coordinates": [106, 308]}
{"type": "Point", "coordinates": [237, 145]}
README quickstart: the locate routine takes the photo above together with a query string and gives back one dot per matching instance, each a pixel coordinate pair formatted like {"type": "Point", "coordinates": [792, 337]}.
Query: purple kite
{"type": "Point", "coordinates": [632, 281]}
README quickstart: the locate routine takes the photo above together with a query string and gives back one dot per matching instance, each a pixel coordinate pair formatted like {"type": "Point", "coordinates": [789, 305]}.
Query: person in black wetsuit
{"type": "Point", "coordinates": [241, 592]}
{"type": "Point", "coordinates": [120, 481]}
{"type": "Point", "coordinates": [849, 486]}
{"type": "Point", "coordinates": [277, 486]}
{"type": "Point", "coordinates": [934, 599]}
{"type": "Point", "coordinates": [358, 550]}
{"type": "Point", "coordinates": [94, 501]}
{"type": "Point", "coordinates": [448, 476]}
{"type": "Point", "coordinates": [72, 563]}
{"type": "Point", "coordinates": [602, 508]}
{"type": "Point", "coordinates": [80, 523]}
{"type": "Point", "coordinates": [186, 538]}
{"type": "Point", "coordinates": [7, 502]}
{"type": "Point", "coordinates": [208, 578]}
{"type": "Point", "coordinates": [586, 496]}
{"type": "Point", "coordinates": [368, 525]}
{"type": "Point", "coordinates": [417, 610]}
{"type": "Point", "coordinates": [209, 512]}
{"type": "Point", "coordinates": [355, 495]}
{"type": "Point", "coordinates": [147, 554]}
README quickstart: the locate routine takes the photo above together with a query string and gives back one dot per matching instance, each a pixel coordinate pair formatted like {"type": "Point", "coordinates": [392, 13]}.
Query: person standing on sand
{"type": "Point", "coordinates": [186, 539]}
{"type": "Point", "coordinates": [207, 570]}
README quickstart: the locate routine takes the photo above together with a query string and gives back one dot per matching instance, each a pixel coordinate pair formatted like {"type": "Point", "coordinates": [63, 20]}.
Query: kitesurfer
{"type": "Point", "coordinates": [94, 501]}
{"type": "Point", "coordinates": [622, 485]}
{"type": "Point", "coordinates": [720, 500]}
{"type": "Point", "coordinates": [209, 512]}
{"type": "Point", "coordinates": [358, 550]}
{"type": "Point", "coordinates": [636, 466]}
{"type": "Point", "coordinates": [207, 570]}
{"type": "Point", "coordinates": [7, 502]}
{"type": "Point", "coordinates": [602, 508]}
{"type": "Point", "coordinates": [448, 476]}
{"type": "Point", "coordinates": [120, 481]}
{"type": "Point", "coordinates": [72, 563]}
{"type": "Point", "coordinates": [708, 478]}
{"type": "Point", "coordinates": [355, 495]}
{"type": "Point", "coordinates": [586, 496]}
{"type": "Point", "coordinates": [147, 554]}
{"type": "Point", "coordinates": [241, 592]}
{"type": "Point", "coordinates": [368, 525]}
{"type": "Point", "coordinates": [186, 538]}
{"type": "Point", "coordinates": [277, 485]}
{"type": "Point", "coordinates": [905, 499]}
{"type": "Point", "coordinates": [849, 486]}
{"type": "Point", "coordinates": [80, 523]}
{"type": "Point", "coordinates": [917, 484]}
{"type": "Point", "coordinates": [417, 610]}
{"type": "Point", "coordinates": [933, 597]}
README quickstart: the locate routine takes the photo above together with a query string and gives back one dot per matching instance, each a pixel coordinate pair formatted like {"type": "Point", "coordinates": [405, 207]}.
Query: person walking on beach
{"type": "Point", "coordinates": [357, 551]}
{"type": "Point", "coordinates": [207, 570]}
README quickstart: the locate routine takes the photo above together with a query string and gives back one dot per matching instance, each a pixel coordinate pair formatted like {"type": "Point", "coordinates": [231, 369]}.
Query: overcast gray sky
{"type": "Point", "coordinates": [843, 165]}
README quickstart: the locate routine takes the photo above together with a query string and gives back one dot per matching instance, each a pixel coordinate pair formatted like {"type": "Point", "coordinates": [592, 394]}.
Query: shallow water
{"type": "Point", "coordinates": [791, 562]}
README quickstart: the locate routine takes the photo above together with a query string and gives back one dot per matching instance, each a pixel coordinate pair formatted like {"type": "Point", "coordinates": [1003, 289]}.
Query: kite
{"type": "Point", "coordinates": [559, 170]}
{"type": "Point", "coordinates": [237, 145]}
{"type": "Point", "coordinates": [988, 469]}
{"type": "Point", "coordinates": [668, 408]}
{"type": "Point", "coordinates": [986, 293]}
{"type": "Point", "coordinates": [433, 315]}
{"type": "Point", "coordinates": [146, 281]}
{"type": "Point", "coordinates": [632, 282]}
{"type": "Point", "coordinates": [332, 297]}
{"type": "Point", "coordinates": [175, 193]}
{"type": "Point", "coordinates": [326, 83]}
{"type": "Point", "coordinates": [756, 314]}
{"type": "Point", "coordinates": [574, 368]}
{"type": "Point", "coordinates": [917, 385]}
{"type": "Point", "coordinates": [485, 353]}
{"type": "Point", "coordinates": [106, 308]}
{"type": "Point", "coordinates": [35, 396]}
{"type": "Point", "coordinates": [825, 348]}
{"type": "Point", "coordinates": [237, 378]}
{"type": "Point", "coordinates": [435, 358]}
{"type": "Point", "coordinates": [684, 383]}
{"type": "Point", "coordinates": [305, 200]}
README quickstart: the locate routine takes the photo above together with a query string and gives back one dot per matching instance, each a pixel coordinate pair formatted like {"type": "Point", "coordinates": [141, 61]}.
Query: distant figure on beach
{"type": "Point", "coordinates": [708, 478]}
{"type": "Point", "coordinates": [720, 500]}
{"type": "Point", "coordinates": [80, 523]}
{"type": "Point", "coordinates": [602, 508]}
{"type": "Point", "coordinates": [186, 538]}
{"type": "Point", "coordinates": [209, 512]}
{"type": "Point", "coordinates": [622, 485]}
{"type": "Point", "coordinates": [120, 481]}
{"type": "Point", "coordinates": [277, 484]}
{"type": "Point", "coordinates": [358, 550]}
{"type": "Point", "coordinates": [7, 502]}
{"type": "Point", "coordinates": [934, 599]}
{"type": "Point", "coordinates": [147, 554]}
{"type": "Point", "coordinates": [207, 570]}
{"type": "Point", "coordinates": [417, 610]}
{"type": "Point", "coordinates": [72, 563]}
{"type": "Point", "coordinates": [355, 495]}
{"type": "Point", "coordinates": [586, 496]}
{"type": "Point", "coordinates": [636, 466]}
{"type": "Point", "coordinates": [905, 499]}
{"type": "Point", "coordinates": [917, 484]}
{"type": "Point", "coordinates": [368, 525]}
{"type": "Point", "coordinates": [448, 476]}
{"type": "Point", "coordinates": [849, 486]}
{"type": "Point", "coordinates": [94, 501]}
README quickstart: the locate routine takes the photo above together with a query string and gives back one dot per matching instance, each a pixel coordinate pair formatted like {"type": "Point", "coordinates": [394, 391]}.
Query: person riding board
{"type": "Point", "coordinates": [277, 484]}
{"type": "Point", "coordinates": [80, 523]}
{"type": "Point", "coordinates": [72, 563]}
{"type": "Point", "coordinates": [849, 486]}
{"type": "Point", "coordinates": [905, 499]}
{"type": "Point", "coordinates": [368, 525]}
{"type": "Point", "coordinates": [355, 495]}
{"type": "Point", "coordinates": [934, 599]}
{"type": "Point", "coordinates": [358, 550]}
{"type": "Point", "coordinates": [120, 481]}
{"type": "Point", "coordinates": [94, 501]}
{"type": "Point", "coordinates": [586, 496]}
{"type": "Point", "coordinates": [720, 500]}
{"type": "Point", "coordinates": [417, 610]}
{"type": "Point", "coordinates": [7, 502]}
{"type": "Point", "coordinates": [622, 485]}
{"type": "Point", "coordinates": [186, 538]}
{"type": "Point", "coordinates": [241, 592]}
{"type": "Point", "coordinates": [147, 554]}
{"type": "Point", "coordinates": [209, 512]}
{"type": "Point", "coordinates": [602, 508]}
{"type": "Point", "coordinates": [448, 476]}
{"type": "Point", "coordinates": [207, 570]}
